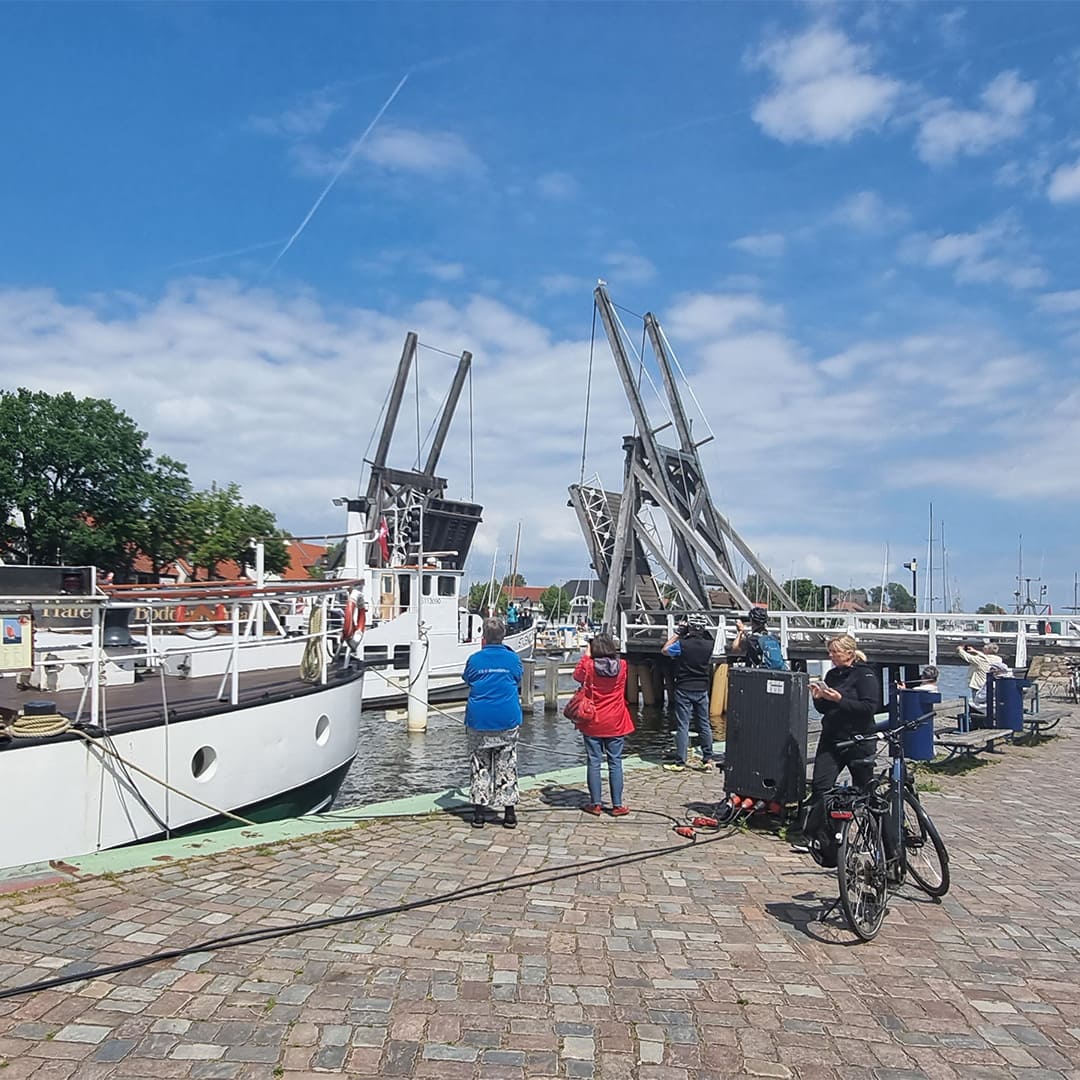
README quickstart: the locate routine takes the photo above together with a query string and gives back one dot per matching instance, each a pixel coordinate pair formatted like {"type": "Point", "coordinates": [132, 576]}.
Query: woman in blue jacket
{"type": "Point", "coordinates": [492, 719]}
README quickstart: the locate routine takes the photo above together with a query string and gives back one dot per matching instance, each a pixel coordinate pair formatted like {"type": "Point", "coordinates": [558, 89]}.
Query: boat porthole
{"type": "Point", "coordinates": [204, 763]}
{"type": "Point", "coordinates": [322, 730]}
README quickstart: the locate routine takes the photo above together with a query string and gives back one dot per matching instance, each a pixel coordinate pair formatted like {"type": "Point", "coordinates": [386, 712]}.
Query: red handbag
{"type": "Point", "coordinates": [581, 706]}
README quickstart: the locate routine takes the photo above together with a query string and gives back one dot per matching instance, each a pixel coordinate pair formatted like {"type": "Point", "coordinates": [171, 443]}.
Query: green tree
{"type": "Point", "coordinates": [516, 580]}
{"type": "Point", "coordinates": [555, 602]}
{"type": "Point", "coordinates": [164, 534]}
{"type": "Point", "coordinates": [74, 479]}
{"type": "Point", "coordinates": [899, 599]}
{"type": "Point", "coordinates": [480, 598]}
{"type": "Point", "coordinates": [222, 528]}
{"type": "Point", "coordinates": [991, 609]}
{"type": "Point", "coordinates": [804, 592]}
{"type": "Point", "coordinates": [598, 611]}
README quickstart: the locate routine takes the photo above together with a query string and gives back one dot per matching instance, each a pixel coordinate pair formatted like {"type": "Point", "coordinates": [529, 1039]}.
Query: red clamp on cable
{"type": "Point", "coordinates": [685, 831]}
{"type": "Point", "coordinates": [705, 822]}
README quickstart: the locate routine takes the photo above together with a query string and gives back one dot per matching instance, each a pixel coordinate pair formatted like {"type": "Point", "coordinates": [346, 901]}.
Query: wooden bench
{"type": "Point", "coordinates": [963, 740]}
{"type": "Point", "coordinates": [1035, 723]}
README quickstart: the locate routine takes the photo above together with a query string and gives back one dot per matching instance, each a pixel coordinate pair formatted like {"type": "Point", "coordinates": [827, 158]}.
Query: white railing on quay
{"type": "Point", "coordinates": [935, 633]}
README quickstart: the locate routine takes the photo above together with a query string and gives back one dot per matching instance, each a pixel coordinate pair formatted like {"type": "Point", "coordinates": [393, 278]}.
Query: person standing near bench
{"type": "Point", "coordinates": [971, 652]}
{"type": "Point", "coordinates": [847, 699]}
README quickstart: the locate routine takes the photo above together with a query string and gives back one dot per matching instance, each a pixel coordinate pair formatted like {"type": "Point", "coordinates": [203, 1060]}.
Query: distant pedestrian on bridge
{"type": "Point", "coordinates": [492, 719]}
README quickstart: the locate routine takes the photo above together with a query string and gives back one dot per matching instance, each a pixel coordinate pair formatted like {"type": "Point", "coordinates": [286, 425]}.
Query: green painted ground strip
{"type": "Point", "coordinates": [164, 852]}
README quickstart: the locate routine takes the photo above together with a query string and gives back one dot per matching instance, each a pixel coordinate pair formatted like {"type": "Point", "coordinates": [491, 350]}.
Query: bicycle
{"type": "Point", "coordinates": [884, 834]}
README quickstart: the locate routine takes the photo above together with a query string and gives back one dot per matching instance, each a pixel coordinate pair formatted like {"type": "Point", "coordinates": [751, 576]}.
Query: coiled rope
{"type": "Point", "coordinates": [311, 665]}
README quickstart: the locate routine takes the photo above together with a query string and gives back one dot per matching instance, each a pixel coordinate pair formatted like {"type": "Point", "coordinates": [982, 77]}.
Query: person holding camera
{"type": "Point", "coordinates": [603, 673]}
{"type": "Point", "coordinates": [691, 647]}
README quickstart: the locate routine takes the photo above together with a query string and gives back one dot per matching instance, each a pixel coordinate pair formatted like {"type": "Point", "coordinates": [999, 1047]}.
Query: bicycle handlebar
{"type": "Point", "coordinates": [882, 726]}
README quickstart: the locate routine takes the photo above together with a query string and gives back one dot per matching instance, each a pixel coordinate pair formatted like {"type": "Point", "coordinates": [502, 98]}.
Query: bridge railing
{"type": "Point", "coordinates": [937, 632]}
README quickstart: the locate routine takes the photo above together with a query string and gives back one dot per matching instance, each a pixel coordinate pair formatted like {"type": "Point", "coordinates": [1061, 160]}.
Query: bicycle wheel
{"type": "Point", "coordinates": [924, 850]}
{"type": "Point", "coordinates": [861, 873]}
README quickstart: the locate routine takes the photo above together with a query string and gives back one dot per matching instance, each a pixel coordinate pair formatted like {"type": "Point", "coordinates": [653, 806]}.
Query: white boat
{"type": "Point", "coordinates": [114, 732]}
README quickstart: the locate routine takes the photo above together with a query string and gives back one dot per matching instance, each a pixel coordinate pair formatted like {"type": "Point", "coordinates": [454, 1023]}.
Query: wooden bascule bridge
{"type": "Point", "coordinates": [652, 582]}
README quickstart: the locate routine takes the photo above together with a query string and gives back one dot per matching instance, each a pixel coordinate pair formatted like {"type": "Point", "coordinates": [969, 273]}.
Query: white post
{"type": "Point", "coordinates": [417, 702]}
{"type": "Point", "coordinates": [1021, 644]}
{"type": "Point", "coordinates": [260, 581]}
{"type": "Point", "coordinates": [933, 641]}
{"type": "Point", "coordinates": [234, 695]}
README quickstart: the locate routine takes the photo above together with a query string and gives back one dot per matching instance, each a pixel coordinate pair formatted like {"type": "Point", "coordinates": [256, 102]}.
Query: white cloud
{"type": "Point", "coordinates": [867, 211]}
{"type": "Point", "coordinates": [557, 186]}
{"type": "Point", "coordinates": [703, 316]}
{"type": "Point", "coordinates": [1060, 303]}
{"type": "Point", "coordinates": [995, 253]}
{"type": "Point", "coordinates": [428, 152]}
{"type": "Point", "coordinates": [947, 132]}
{"type": "Point", "coordinates": [1065, 183]}
{"type": "Point", "coordinates": [264, 387]}
{"type": "Point", "coordinates": [763, 245]}
{"type": "Point", "coordinates": [825, 91]}
{"type": "Point", "coordinates": [629, 268]}
{"type": "Point", "coordinates": [307, 117]}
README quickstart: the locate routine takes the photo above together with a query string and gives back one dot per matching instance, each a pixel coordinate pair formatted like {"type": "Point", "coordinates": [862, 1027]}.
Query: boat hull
{"type": "Point", "coordinates": [277, 757]}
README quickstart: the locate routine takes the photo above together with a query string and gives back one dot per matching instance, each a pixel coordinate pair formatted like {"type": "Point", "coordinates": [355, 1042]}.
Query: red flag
{"type": "Point", "coordinates": [383, 536]}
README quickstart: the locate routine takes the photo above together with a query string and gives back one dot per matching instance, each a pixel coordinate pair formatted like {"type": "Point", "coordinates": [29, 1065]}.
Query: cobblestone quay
{"type": "Point", "coordinates": [707, 962]}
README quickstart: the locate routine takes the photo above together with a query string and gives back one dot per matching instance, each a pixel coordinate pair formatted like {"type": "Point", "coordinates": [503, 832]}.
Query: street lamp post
{"type": "Point", "coordinates": [913, 566]}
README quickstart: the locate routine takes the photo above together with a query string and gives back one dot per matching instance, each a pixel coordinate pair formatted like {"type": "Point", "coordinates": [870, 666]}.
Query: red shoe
{"type": "Point", "coordinates": [620, 811]}
{"type": "Point", "coordinates": [596, 810]}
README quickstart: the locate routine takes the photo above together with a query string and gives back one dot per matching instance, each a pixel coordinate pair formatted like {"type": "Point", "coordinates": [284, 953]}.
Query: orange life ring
{"type": "Point", "coordinates": [355, 617]}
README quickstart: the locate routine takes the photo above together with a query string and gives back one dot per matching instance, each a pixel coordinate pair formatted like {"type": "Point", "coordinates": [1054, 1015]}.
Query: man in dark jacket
{"type": "Point", "coordinates": [691, 647]}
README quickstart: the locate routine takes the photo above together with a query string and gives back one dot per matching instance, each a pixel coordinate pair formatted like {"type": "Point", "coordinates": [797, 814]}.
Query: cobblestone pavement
{"type": "Point", "coordinates": [707, 962]}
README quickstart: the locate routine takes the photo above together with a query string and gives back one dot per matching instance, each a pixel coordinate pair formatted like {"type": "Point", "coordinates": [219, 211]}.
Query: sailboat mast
{"type": "Point", "coordinates": [514, 562]}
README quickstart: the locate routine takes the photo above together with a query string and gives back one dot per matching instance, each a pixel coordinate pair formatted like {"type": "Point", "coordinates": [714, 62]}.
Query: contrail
{"type": "Point", "coordinates": [225, 254]}
{"type": "Point", "coordinates": [340, 169]}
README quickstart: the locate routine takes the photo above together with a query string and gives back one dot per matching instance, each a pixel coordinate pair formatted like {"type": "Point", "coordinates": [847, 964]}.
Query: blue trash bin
{"type": "Point", "coordinates": [919, 743]}
{"type": "Point", "coordinates": [1009, 703]}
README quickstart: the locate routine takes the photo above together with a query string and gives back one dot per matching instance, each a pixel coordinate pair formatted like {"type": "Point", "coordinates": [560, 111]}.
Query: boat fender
{"type": "Point", "coordinates": [355, 618]}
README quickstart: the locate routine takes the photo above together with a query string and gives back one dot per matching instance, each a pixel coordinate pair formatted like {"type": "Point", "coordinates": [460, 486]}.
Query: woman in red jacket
{"type": "Point", "coordinates": [603, 675]}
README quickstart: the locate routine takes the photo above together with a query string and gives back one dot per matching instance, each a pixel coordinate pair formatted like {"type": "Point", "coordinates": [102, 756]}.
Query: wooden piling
{"type": "Point", "coordinates": [551, 685]}
{"type": "Point", "coordinates": [647, 682]}
{"type": "Point", "coordinates": [528, 689]}
{"type": "Point", "coordinates": [633, 684]}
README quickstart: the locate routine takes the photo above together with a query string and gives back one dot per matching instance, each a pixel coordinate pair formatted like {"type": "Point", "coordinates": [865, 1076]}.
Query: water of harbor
{"type": "Point", "coordinates": [393, 763]}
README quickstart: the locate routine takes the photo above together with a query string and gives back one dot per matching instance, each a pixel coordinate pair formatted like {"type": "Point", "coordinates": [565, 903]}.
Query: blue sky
{"type": "Point", "coordinates": [857, 224]}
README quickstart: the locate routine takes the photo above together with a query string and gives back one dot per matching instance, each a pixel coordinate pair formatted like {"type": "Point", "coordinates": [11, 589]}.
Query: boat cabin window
{"type": "Point", "coordinates": [387, 583]}
{"type": "Point", "coordinates": [427, 584]}
{"type": "Point", "coordinates": [404, 591]}
{"type": "Point", "coordinates": [447, 585]}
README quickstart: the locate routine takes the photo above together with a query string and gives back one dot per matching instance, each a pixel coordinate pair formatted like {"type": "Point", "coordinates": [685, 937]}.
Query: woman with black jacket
{"type": "Point", "coordinates": [847, 700]}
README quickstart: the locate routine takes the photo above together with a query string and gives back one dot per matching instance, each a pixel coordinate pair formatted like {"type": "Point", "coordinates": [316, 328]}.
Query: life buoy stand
{"type": "Point", "coordinates": [355, 618]}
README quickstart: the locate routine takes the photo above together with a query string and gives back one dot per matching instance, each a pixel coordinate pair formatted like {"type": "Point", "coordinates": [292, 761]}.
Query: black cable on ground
{"type": "Point", "coordinates": [524, 880]}
{"type": "Point", "coordinates": [459, 809]}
